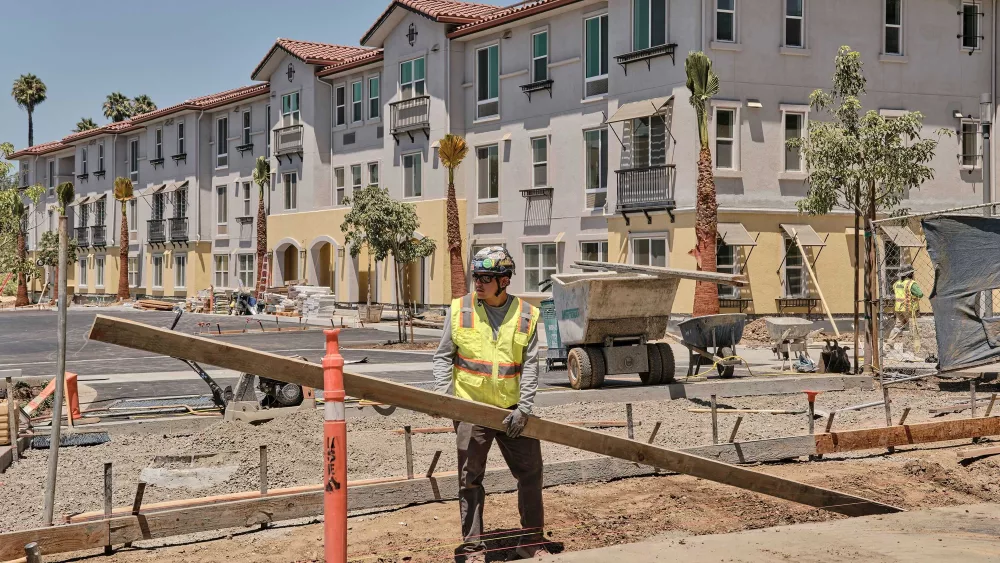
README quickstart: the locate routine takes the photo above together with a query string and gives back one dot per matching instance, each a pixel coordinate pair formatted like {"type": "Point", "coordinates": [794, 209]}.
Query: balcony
{"type": "Point", "coordinates": [411, 115]}
{"type": "Point", "coordinates": [646, 55]}
{"type": "Point", "coordinates": [98, 235]}
{"type": "Point", "coordinates": [81, 237]}
{"type": "Point", "coordinates": [157, 231]}
{"type": "Point", "coordinates": [645, 189]}
{"type": "Point", "coordinates": [288, 141]}
{"type": "Point", "coordinates": [179, 229]}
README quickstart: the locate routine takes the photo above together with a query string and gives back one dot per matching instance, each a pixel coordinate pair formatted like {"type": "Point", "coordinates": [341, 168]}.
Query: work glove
{"type": "Point", "coordinates": [515, 422]}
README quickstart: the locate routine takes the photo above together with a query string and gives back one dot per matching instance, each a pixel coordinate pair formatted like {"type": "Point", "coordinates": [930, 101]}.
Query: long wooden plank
{"type": "Point", "coordinates": [978, 452]}
{"type": "Point", "coordinates": [55, 539]}
{"type": "Point", "coordinates": [716, 277]}
{"type": "Point", "coordinates": [875, 438]}
{"type": "Point", "coordinates": [202, 350]}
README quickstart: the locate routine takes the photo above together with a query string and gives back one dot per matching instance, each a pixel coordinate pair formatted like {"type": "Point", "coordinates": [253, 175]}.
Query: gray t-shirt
{"type": "Point", "coordinates": [447, 349]}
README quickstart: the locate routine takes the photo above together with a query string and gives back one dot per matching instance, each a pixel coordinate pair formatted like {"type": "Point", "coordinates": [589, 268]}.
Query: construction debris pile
{"type": "Point", "coordinates": [153, 305]}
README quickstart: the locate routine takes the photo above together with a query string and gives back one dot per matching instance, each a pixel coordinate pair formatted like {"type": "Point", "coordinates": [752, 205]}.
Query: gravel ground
{"type": "Point", "coordinates": [294, 445]}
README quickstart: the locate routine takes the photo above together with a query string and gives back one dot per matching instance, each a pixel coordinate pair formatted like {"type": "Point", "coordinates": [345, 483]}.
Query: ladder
{"type": "Point", "coordinates": [263, 282]}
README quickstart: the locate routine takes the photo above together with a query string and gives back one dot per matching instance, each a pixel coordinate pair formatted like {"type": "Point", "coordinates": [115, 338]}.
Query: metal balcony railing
{"type": "Point", "coordinates": [81, 237]}
{"type": "Point", "coordinates": [178, 229]}
{"type": "Point", "coordinates": [98, 235]}
{"type": "Point", "coordinates": [288, 140]}
{"type": "Point", "coordinates": [411, 114]}
{"type": "Point", "coordinates": [157, 230]}
{"type": "Point", "coordinates": [646, 188]}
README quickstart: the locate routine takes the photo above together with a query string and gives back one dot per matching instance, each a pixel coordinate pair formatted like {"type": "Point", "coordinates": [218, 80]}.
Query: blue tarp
{"type": "Point", "coordinates": [965, 251]}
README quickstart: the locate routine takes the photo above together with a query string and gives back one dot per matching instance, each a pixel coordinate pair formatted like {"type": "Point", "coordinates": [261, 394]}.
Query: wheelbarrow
{"type": "Point", "coordinates": [713, 338]}
{"type": "Point", "coordinates": [789, 335]}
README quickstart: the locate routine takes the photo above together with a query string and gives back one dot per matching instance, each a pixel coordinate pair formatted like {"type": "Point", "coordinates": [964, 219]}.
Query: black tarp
{"type": "Point", "coordinates": [965, 251]}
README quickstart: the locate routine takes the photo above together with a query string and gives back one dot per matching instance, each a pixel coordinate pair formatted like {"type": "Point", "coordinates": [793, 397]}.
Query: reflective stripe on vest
{"type": "Point", "coordinates": [902, 292]}
{"type": "Point", "coordinates": [525, 323]}
{"type": "Point", "coordinates": [467, 316]}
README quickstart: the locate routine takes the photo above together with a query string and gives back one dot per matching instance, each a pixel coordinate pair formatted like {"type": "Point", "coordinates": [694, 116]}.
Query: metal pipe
{"type": "Point", "coordinates": [50, 478]}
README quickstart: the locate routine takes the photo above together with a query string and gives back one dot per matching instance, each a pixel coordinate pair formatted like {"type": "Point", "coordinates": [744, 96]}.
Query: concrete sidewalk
{"type": "Point", "coordinates": [957, 533]}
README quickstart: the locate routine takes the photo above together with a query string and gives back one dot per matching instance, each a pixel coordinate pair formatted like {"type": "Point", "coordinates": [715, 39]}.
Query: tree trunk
{"type": "Point", "coordinates": [706, 294]}
{"type": "Point", "coordinates": [459, 287]}
{"type": "Point", "coordinates": [857, 280]}
{"type": "Point", "coordinates": [123, 288]}
{"type": "Point", "coordinates": [262, 244]}
{"type": "Point", "coordinates": [872, 309]}
{"type": "Point", "coordinates": [31, 129]}
{"type": "Point", "coordinates": [22, 283]}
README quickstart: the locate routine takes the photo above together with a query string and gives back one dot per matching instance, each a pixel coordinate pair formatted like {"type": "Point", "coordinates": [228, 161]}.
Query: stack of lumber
{"type": "Point", "coordinates": [154, 305]}
{"type": "Point", "coordinates": [4, 425]}
{"type": "Point", "coordinates": [307, 299]}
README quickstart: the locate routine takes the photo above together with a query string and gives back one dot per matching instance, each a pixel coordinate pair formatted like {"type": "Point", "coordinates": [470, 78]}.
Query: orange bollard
{"type": "Point", "coordinates": [72, 396]}
{"type": "Point", "coordinates": [334, 453]}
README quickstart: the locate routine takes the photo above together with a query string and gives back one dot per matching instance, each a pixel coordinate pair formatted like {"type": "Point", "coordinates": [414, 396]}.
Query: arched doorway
{"type": "Point", "coordinates": [288, 266]}
{"type": "Point", "coordinates": [322, 270]}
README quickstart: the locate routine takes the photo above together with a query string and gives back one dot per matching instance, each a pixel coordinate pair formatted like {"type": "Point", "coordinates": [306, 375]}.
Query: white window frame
{"type": "Point", "coordinates": [603, 76]}
{"type": "Point", "coordinates": [728, 291]}
{"type": "Point", "coordinates": [290, 183]}
{"type": "Point", "coordinates": [222, 205]}
{"type": "Point", "coordinates": [292, 116]}
{"type": "Point", "coordinates": [735, 14]}
{"type": "Point", "coordinates": [221, 143]}
{"type": "Point", "coordinates": [495, 99]}
{"type": "Point", "coordinates": [803, 111]}
{"type": "Point", "coordinates": [218, 282]}
{"type": "Point", "coordinates": [99, 263]}
{"type": "Point", "coordinates": [339, 185]}
{"type": "Point", "coordinates": [247, 119]}
{"type": "Point", "coordinates": [340, 107]}
{"type": "Point", "coordinates": [374, 97]}
{"type": "Point", "coordinates": [134, 277]}
{"type": "Point", "coordinates": [133, 159]}
{"type": "Point", "coordinates": [413, 80]}
{"type": "Point", "coordinates": [649, 256]}
{"type": "Point", "coordinates": [242, 272]}
{"type": "Point", "coordinates": [357, 179]}
{"type": "Point", "coordinates": [155, 272]}
{"type": "Point", "coordinates": [479, 196]}
{"type": "Point", "coordinates": [786, 18]}
{"type": "Point", "coordinates": [541, 268]}
{"type": "Point", "coordinates": [535, 57]}
{"type": "Point", "coordinates": [158, 143]}
{"type": "Point", "coordinates": [246, 187]}
{"type": "Point", "coordinates": [602, 249]}
{"type": "Point", "coordinates": [378, 173]}
{"type": "Point", "coordinates": [979, 26]}
{"type": "Point", "coordinates": [666, 25]}
{"type": "Point", "coordinates": [181, 141]}
{"type": "Point", "coordinates": [51, 171]}
{"type": "Point", "coordinates": [357, 105]}
{"type": "Point", "coordinates": [977, 156]}
{"type": "Point", "coordinates": [604, 166]}
{"type": "Point", "coordinates": [133, 215]}
{"type": "Point", "coordinates": [83, 272]}
{"type": "Point", "coordinates": [100, 156]}
{"type": "Point", "coordinates": [416, 184]}
{"type": "Point", "coordinates": [790, 247]}
{"type": "Point", "coordinates": [536, 164]}
{"type": "Point", "coordinates": [900, 26]}
{"type": "Point", "coordinates": [180, 270]}
{"type": "Point", "coordinates": [83, 160]}
{"type": "Point", "coordinates": [736, 108]}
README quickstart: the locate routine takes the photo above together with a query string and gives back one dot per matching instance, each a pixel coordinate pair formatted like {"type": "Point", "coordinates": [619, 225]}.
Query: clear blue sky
{"type": "Point", "coordinates": [171, 50]}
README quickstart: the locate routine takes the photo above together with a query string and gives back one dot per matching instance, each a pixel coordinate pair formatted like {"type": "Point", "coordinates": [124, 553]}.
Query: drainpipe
{"type": "Point", "coordinates": [701, 28]}
{"type": "Point", "coordinates": [993, 96]}
{"type": "Point", "coordinates": [197, 168]}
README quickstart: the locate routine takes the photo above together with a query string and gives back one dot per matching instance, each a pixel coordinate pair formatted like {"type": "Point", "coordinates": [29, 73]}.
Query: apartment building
{"type": "Point", "coordinates": [582, 140]}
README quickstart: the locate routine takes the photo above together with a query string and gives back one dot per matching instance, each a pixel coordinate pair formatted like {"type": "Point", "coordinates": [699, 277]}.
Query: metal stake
{"type": "Point", "coordinates": [972, 396]}
{"type": "Point", "coordinates": [434, 462]}
{"type": "Point", "coordinates": [628, 420]}
{"type": "Point", "coordinates": [407, 437]}
{"type": "Point", "coordinates": [715, 421]}
{"type": "Point", "coordinates": [888, 411]}
{"type": "Point", "coordinates": [989, 408]}
{"type": "Point", "coordinates": [902, 419]}
{"type": "Point", "coordinates": [108, 500]}
{"type": "Point", "coordinates": [829, 422]}
{"type": "Point", "coordinates": [263, 470]}
{"type": "Point", "coordinates": [137, 503]}
{"type": "Point", "coordinates": [652, 435]}
{"type": "Point", "coordinates": [736, 427]}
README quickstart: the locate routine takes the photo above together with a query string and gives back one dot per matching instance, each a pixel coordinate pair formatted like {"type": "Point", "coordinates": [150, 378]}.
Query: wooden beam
{"type": "Point", "coordinates": [139, 336]}
{"type": "Point", "coordinates": [715, 277]}
{"type": "Point", "coordinates": [582, 423]}
{"type": "Point", "coordinates": [874, 438]}
{"type": "Point", "coordinates": [815, 280]}
{"type": "Point", "coordinates": [978, 452]}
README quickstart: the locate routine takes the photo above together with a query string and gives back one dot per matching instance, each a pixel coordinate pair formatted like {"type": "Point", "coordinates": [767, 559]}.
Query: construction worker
{"type": "Point", "coordinates": [489, 353]}
{"type": "Point", "coordinates": [907, 307]}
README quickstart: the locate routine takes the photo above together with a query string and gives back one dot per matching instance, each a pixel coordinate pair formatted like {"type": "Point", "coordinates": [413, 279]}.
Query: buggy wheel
{"type": "Point", "coordinates": [600, 367]}
{"type": "Point", "coordinates": [655, 373]}
{"type": "Point", "coordinates": [667, 360]}
{"type": "Point", "coordinates": [726, 371]}
{"type": "Point", "coordinates": [579, 369]}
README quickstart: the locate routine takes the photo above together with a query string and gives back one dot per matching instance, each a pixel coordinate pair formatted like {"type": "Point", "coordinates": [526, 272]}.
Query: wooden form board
{"type": "Point", "coordinates": [151, 339]}
{"type": "Point", "coordinates": [211, 515]}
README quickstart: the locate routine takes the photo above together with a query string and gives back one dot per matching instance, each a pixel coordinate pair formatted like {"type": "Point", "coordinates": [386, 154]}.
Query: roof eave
{"type": "Point", "coordinates": [350, 66]}
{"type": "Point", "coordinates": [524, 14]}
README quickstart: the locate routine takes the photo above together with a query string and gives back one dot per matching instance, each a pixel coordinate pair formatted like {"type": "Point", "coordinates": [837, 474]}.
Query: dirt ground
{"type": "Point", "coordinates": [431, 344]}
{"type": "Point", "coordinates": [594, 515]}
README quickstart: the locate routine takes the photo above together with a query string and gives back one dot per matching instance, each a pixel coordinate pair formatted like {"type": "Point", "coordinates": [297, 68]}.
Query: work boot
{"type": "Point", "coordinates": [537, 551]}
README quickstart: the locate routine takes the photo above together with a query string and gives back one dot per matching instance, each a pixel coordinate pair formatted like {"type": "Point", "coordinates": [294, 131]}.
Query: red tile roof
{"type": "Point", "coordinates": [368, 57]}
{"type": "Point", "coordinates": [448, 11]}
{"type": "Point", "coordinates": [36, 150]}
{"type": "Point", "coordinates": [310, 52]}
{"type": "Point", "coordinates": [512, 13]}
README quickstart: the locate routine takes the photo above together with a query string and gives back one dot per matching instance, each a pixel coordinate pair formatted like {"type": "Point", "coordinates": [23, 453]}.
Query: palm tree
{"type": "Point", "coordinates": [142, 104]}
{"type": "Point", "coordinates": [22, 254]}
{"type": "Point", "coordinates": [262, 177]}
{"type": "Point", "coordinates": [117, 107]}
{"type": "Point", "coordinates": [704, 84]}
{"type": "Point", "coordinates": [85, 124]}
{"type": "Point", "coordinates": [123, 193]}
{"type": "Point", "coordinates": [28, 92]}
{"type": "Point", "coordinates": [452, 151]}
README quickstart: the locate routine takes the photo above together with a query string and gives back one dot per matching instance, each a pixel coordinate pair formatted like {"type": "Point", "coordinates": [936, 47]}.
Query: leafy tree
{"type": "Point", "coordinates": [48, 255]}
{"type": "Point", "coordinates": [124, 194]}
{"type": "Point", "coordinates": [28, 92]}
{"type": "Point", "coordinates": [452, 151]}
{"type": "Point", "coordinates": [261, 177]}
{"type": "Point", "coordinates": [85, 124]}
{"type": "Point", "coordinates": [704, 84]}
{"type": "Point", "coordinates": [142, 104]}
{"type": "Point", "coordinates": [405, 249]}
{"type": "Point", "coordinates": [14, 226]}
{"type": "Point", "coordinates": [861, 161]}
{"type": "Point", "coordinates": [117, 107]}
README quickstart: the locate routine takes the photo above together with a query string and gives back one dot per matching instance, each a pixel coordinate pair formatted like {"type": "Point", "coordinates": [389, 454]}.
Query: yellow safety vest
{"type": "Point", "coordinates": [903, 296]}
{"type": "Point", "coordinates": [487, 370]}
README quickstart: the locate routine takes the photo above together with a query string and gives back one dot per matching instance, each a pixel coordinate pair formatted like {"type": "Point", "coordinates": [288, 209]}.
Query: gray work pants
{"type": "Point", "coordinates": [523, 457]}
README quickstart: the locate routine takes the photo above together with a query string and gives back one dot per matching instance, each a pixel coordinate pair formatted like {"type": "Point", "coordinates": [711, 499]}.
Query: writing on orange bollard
{"type": "Point", "coordinates": [334, 453]}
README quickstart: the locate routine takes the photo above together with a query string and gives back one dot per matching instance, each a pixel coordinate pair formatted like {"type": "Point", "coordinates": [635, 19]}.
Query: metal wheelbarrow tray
{"type": "Point", "coordinates": [789, 335]}
{"type": "Point", "coordinates": [713, 337]}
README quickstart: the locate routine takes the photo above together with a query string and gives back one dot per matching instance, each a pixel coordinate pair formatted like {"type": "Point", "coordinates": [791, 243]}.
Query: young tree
{"type": "Point", "coordinates": [124, 194]}
{"type": "Point", "coordinates": [28, 92]}
{"type": "Point", "coordinates": [452, 151]}
{"type": "Point", "coordinates": [13, 226]}
{"type": "Point", "coordinates": [704, 84]}
{"type": "Point", "coordinates": [262, 177]}
{"type": "Point", "coordinates": [863, 162]}
{"type": "Point", "coordinates": [142, 104]}
{"type": "Point", "coordinates": [85, 124]}
{"type": "Point", "coordinates": [117, 107]}
{"type": "Point", "coordinates": [48, 255]}
{"type": "Point", "coordinates": [405, 249]}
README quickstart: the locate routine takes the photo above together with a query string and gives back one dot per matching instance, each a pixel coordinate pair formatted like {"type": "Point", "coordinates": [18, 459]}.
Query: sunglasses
{"type": "Point", "coordinates": [484, 278]}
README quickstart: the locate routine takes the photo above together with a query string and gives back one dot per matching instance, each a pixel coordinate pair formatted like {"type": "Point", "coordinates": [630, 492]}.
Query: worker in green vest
{"type": "Point", "coordinates": [489, 354]}
{"type": "Point", "coordinates": [907, 307]}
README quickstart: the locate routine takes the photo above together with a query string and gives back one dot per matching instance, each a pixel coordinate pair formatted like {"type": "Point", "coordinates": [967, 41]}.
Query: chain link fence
{"type": "Point", "coordinates": [907, 335]}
